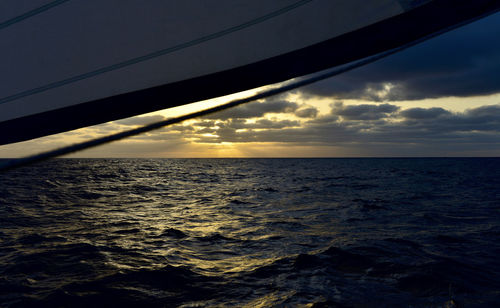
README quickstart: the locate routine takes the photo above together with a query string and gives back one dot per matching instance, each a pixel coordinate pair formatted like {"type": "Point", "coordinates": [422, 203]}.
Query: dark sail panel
{"type": "Point", "coordinates": [215, 64]}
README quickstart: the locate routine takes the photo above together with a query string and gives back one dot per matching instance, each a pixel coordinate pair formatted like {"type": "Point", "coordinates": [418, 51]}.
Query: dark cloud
{"type": "Point", "coordinates": [206, 130]}
{"type": "Point", "coordinates": [424, 113]}
{"type": "Point", "coordinates": [363, 112]}
{"type": "Point", "coordinates": [490, 112]}
{"type": "Point", "coordinates": [180, 128]}
{"type": "Point", "coordinates": [162, 136]}
{"type": "Point", "coordinates": [268, 124]}
{"type": "Point", "coordinates": [255, 110]}
{"type": "Point", "coordinates": [464, 62]}
{"type": "Point", "coordinates": [476, 121]}
{"type": "Point", "coordinates": [310, 112]}
{"type": "Point", "coordinates": [324, 119]}
{"type": "Point", "coordinates": [205, 124]}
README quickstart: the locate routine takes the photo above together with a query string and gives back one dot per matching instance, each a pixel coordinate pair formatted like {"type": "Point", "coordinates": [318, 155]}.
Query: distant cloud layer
{"type": "Point", "coordinates": [255, 110]}
{"type": "Point", "coordinates": [364, 124]}
{"type": "Point", "coordinates": [464, 62]}
{"type": "Point", "coordinates": [354, 130]}
{"type": "Point", "coordinates": [369, 125]}
{"type": "Point", "coordinates": [363, 112]}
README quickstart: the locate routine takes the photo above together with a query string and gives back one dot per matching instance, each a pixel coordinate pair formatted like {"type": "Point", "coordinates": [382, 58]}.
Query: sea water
{"type": "Point", "coordinates": [251, 233]}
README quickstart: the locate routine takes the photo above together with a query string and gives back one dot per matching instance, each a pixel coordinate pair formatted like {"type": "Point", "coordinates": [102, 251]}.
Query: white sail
{"type": "Point", "coordinates": [69, 64]}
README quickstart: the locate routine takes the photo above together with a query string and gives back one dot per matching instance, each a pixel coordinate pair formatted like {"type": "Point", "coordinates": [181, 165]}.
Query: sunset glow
{"type": "Point", "coordinates": [420, 102]}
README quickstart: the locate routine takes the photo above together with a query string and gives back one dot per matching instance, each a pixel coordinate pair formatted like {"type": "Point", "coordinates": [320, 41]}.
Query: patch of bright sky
{"type": "Point", "coordinates": [194, 107]}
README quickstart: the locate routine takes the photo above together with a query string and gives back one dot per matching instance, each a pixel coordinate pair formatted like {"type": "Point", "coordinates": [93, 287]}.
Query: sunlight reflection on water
{"type": "Point", "coordinates": [267, 231]}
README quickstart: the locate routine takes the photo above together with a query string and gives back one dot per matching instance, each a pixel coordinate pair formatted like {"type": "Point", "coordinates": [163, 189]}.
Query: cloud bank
{"type": "Point", "coordinates": [464, 62]}
{"type": "Point", "coordinates": [369, 126]}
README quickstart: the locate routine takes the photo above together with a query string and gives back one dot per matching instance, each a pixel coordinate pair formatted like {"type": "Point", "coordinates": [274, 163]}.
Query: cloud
{"type": "Point", "coordinates": [206, 130]}
{"type": "Point", "coordinates": [423, 113]}
{"type": "Point", "coordinates": [259, 124]}
{"type": "Point", "coordinates": [355, 130]}
{"type": "Point", "coordinates": [363, 112]}
{"type": "Point", "coordinates": [464, 62]}
{"type": "Point", "coordinates": [180, 128]}
{"type": "Point", "coordinates": [270, 124]}
{"type": "Point", "coordinates": [205, 123]}
{"type": "Point", "coordinates": [382, 129]}
{"type": "Point", "coordinates": [310, 112]}
{"type": "Point", "coordinates": [489, 112]}
{"type": "Point", "coordinates": [255, 110]}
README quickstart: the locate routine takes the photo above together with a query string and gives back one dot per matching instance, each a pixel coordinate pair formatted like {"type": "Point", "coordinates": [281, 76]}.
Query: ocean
{"type": "Point", "coordinates": [408, 232]}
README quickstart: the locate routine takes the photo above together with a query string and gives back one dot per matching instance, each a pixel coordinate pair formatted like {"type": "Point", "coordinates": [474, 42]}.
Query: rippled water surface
{"type": "Point", "coordinates": [251, 232]}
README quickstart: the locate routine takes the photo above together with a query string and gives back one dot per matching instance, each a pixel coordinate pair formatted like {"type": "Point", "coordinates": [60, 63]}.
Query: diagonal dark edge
{"type": "Point", "coordinates": [31, 13]}
{"type": "Point", "coordinates": [438, 15]}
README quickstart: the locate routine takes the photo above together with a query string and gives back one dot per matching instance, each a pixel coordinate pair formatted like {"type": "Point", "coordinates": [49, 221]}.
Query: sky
{"type": "Point", "coordinates": [439, 98]}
